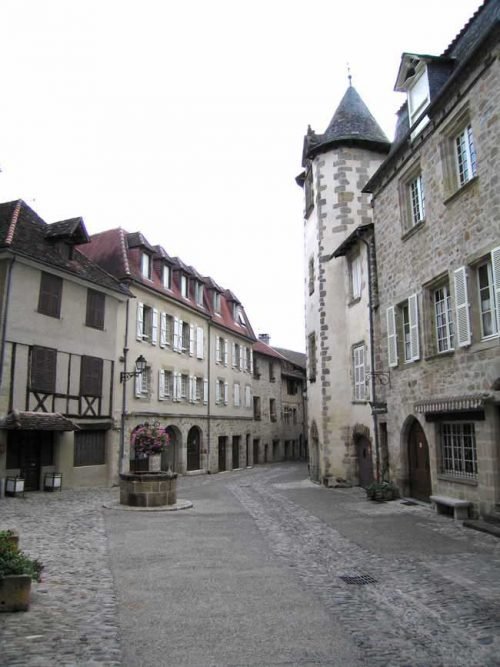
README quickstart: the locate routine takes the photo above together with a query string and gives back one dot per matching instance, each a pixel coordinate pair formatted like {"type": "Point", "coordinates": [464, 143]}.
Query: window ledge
{"type": "Point", "coordinates": [457, 480]}
{"type": "Point", "coordinates": [450, 197]}
{"type": "Point", "coordinates": [410, 232]}
{"type": "Point", "coordinates": [439, 355]}
{"type": "Point", "coordinates": [354, 301]}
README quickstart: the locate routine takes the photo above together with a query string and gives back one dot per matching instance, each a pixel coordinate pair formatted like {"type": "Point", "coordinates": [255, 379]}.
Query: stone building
{"type": "Point", "coordinates": [437, 220]}
{"type": "Point", "coordinates": [197, 343]}
{"type": "Point", "coordinates": [339, 260]}
{"type": "Point", "coordinates": [60, 323]}
{"type": "Point", "coordinates": [278, 403]}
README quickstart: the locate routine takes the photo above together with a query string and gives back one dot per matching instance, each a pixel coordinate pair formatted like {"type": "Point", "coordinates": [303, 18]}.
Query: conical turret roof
{"type": "Point", "coordinates": [352, 122]}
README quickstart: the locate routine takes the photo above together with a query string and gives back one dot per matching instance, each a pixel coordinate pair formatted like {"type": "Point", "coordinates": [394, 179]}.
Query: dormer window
{"type": "Point", "coordinates": [418, 98]}
{"type": "Point", "coordinates": [198, 293]}
{"type": "Point", "coordinates": [238, 315]}
{"type": "Point", "coordinates": [216, 302]}
{"type": "Point", "coordinates": [184, 286]}
{"type": "Point", "coordinates": [146, 265]}
{"type": "Point", "coordinates": [166, 276]}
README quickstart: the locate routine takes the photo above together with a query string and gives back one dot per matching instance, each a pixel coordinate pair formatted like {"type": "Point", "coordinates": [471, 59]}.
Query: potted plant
{"type": "Point", "coordinates": [381, 491]}
{"type": "Point", "coordinates": [149, 441]}
{"type": "Point", "coordinates": [17, 571]}
{"type": "Point", "coordinates": [11, 536]}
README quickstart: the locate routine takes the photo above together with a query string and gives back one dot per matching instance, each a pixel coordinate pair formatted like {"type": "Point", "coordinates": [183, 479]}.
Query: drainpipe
{"type": "Point", "coordinates": [5, 313]}
{"type": "Point", "coordinates": [371, 307]}
{"type": "Point", "coordinates": [209, 346]}
{"type": "Point", "coordinates": [124, 396]}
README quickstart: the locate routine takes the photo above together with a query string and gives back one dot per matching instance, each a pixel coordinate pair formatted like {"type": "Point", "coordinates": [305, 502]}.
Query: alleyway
{"type": "Point", "coordinates": [266, 569]}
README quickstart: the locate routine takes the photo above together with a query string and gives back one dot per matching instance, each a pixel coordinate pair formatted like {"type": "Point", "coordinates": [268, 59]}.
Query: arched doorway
{"type": "Point", "coordinates": [170, 457]}
{"type": "Point", "coordinates": [193, 448]}
{"type": "Point", "coordinates": [419, 472]}
{"type": "Point", "coordinates": [365, 462]}
{"type": "Point", "coordinates": [314, 454]}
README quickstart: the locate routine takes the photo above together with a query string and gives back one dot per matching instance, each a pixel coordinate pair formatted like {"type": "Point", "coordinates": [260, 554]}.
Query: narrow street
{"type": "Point", "coordinates": [266, 569]}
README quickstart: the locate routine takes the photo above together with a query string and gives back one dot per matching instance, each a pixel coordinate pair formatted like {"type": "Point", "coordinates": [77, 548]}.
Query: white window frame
{"type": "Point", "coordinates": [198, 293]}
{"type": "Point", "coordinates": [465, 155]}
{"type": "Point", "coordinates": [236, 395]}
{"type": "Point", "coordinates": [355, 270]}
{"type": "Point", "coordinates": [143, 383]}
{"type": "Point", "coordinates": [166, 277]}
{"type": "Point", "coordinates": [458, 449]}
{"type": "Point", "coordinates": [184, 286]}
{"type": "Point", "coordinates": [492, 292]}
{"type": "Point", "coordinates": [216, 302]}
{"type": "Point", "coordinates": [443, 322]}
{"type": "Point", "coordinates": [184, 388]}
{"type": "Point", "coordinates": [146, 265]}
{"type": "Point", "coordinates": [418, 97]}
{"type": "Point", "coordinates": [416, 200]}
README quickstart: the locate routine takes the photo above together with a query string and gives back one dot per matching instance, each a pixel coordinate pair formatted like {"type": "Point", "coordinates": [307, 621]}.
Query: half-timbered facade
{"type": "Point", "coordinates": [60, 318]}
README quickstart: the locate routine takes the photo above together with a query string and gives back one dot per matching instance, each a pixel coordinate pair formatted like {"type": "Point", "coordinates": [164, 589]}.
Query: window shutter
{"type": "Point", "coordinates": [178, 386]}
{"type": "Point", "coordinates": [236, 395]}
{"type": "Point", "coordinates": [251, 361]}
{"type": "Point", "coordinates": [392, 346]}
{"type": "Point", "coordinates": [161, 385]}
{"type": "Point", "coordinates": [192, 388]}
{"type": "Point", "coordinates": [192, 340]}
{"type": "Point", "coordinates": [177, 344]}
{"type": "Point", "coordinates": [462, 307]}
{"type": "Point", "coordinates": [217, 392]}
{"type": "Point", "coordinates": [154, 327]}
{"type": "Point", "coordinates": [163, 329]}
{"type": "Point", "coordinates": [234, 355]}
{"type": "Point", "coordinates": [226, 348]}
{"type": "Point", "coordinates": [225, 393]}
{"type": "Point", "coordinates": [495, 267]}
{"type": "Point", "coordinates": [205, 391]}
{"type": "Point", "coordinates": [244, 356]}
{"type": "Point", "coordinates": [242, 350]}
{"type": "Point", "coordinates": [199, 342]}
{"type": "Point", "coordinates": [140, 320]}
{"type": "Point", "coordinates": [138, 385]}
{"type": "Point", "coordinates": [414, 337]}
{"type": "Point", "coordinates": [217, 349]}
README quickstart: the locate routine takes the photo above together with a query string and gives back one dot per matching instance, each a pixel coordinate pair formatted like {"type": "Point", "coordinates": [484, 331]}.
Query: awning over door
{"type": "Point", "coordinates": [452, 404]}
{"type": "Point", "coordinates": [37, 421]}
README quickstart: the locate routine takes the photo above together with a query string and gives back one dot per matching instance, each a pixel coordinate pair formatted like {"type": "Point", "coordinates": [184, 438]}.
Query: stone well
{"type": "Point", "coordinates": [148, 489]}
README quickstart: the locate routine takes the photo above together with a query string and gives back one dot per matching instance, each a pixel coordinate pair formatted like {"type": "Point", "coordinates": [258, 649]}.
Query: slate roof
{"type": "Point", "coordinates": [24, 232]}
{"type": "Point", "coordinates": [269, 351]}
{"type": "Point", "coordinates": [72, 230]}
{"type": "Point", "coordinates": [111, 250]}
{"type": "Point", "coordinates": [296, 358]}
{"type": "Point", "coordinates": [352, 123]}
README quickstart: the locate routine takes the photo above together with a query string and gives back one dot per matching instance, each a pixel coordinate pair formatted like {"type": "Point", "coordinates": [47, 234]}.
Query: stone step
{"type": "Point", "coordinates": [483, 526]}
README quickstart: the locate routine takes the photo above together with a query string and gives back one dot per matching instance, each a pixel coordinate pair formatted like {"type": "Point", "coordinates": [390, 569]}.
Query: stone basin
{"type": "Point", "coordinates": [148, 489]}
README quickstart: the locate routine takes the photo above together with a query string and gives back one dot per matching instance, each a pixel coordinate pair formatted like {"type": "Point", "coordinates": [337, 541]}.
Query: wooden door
{"type": "Point", "coordinates": [222, 453]}
{"type": "Point", "coordinates": [193, 449]}
{"type": "Point", "coordinates": [30, 460]}
{"type": "Point", "coordinates": [418, 463]}
{"type": "Point", "coordinates": [365, 461]}
{"type": "Point", "coordinates": [236, 451]}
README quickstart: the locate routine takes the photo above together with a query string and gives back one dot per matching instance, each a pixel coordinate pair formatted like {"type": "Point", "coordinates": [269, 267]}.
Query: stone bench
{"type": "Point", "coordinates": [460, 507]}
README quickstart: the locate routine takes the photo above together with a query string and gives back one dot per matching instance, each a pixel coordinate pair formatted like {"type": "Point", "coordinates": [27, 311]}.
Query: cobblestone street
{"type": "Point", "coordinates": [266, 569]}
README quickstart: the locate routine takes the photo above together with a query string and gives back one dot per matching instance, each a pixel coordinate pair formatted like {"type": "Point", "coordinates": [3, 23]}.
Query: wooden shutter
{"type": "Point", "coordinates": [138, 385]}
{"type": "Point", "coordinates": [236, 395]}
{"type": "Point", "coordinates": [462, 307]}
{"type": "Point", "coordinates": [217, 392]}
{"type": "Point", "coordinates": [234, 356]}
{"type": "Point", "coordinates": [205, 391]}
{"type": "Point", "coordinates": [50, 295]}
{"type": "Point", "coordinates": [251, 361]}
{"type": "Point", "coordinates": [43, 369]}
{"type": "Point", "coordinates": [140, 320]}
{"type": "Point", "coordinates": [414, 334]}
{"type": "Point", "coordinates": [226, 350]}
{"type": "Point", "coordinates": [192, 339]}
{"type": "Point", "coordinates": [161, 384]}
{"type": "Point", "coordinates": [241, 357]}
{"type": "Point", "coordinates": [95, 309]}
{"type": "Point", "coordinates": [154, 327]}
{"type": "Point", "coordinates": [217, 349]}
{"type": "Point", "coordinates": [91, 376]}
{"type": "Point", "coordinates": [163, 329]}
{"type": "Point", "coordinates": [199, 342]}
{"type": "Point", "coordinates": [226, 391]}
{"type": "Point", "coordinates": [495, 267]}
{"type": "Point", "coordinates": [192, 389]}
{"type": "Point", "coordinates": [392, 342]}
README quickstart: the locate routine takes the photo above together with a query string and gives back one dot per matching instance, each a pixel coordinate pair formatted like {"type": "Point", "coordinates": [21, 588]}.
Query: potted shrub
{"type": "Point", "coordinates": [17, 571]}
{"type": "Point", "coordinates": [381, 491]}
{"type": "Point", "coordinates": [11, 536]}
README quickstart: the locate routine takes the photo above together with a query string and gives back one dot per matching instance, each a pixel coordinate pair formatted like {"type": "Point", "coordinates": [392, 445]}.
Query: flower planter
{"type": "Point", "coordinates": [15, 592]}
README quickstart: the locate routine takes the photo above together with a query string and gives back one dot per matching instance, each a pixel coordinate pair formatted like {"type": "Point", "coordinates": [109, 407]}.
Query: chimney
{"type": "Point", "coordinates": [265, 338]}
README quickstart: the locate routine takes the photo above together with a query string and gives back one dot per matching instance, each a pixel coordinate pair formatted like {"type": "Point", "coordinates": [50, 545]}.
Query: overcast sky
{"type": "Point", "coordinates": [185, 120]}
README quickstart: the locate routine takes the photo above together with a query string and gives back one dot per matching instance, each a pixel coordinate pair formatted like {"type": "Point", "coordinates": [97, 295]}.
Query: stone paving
{"type": "Point", "coordinates": [394, 585]}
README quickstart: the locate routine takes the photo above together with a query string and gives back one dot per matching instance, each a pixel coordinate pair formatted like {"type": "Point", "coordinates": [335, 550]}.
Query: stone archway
{"type": "Point", "coordinates": [419, 469]}
{"type": "Point", "coordinates": [314, 454]}
{"type": "Point", "coordinates": [194, 449]}
{"type": "Point", "coordinates": [171, 457]}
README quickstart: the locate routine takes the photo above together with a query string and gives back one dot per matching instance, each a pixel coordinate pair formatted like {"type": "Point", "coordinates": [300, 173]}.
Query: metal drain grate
{"type": "Point", "coordinates": [358, 579]}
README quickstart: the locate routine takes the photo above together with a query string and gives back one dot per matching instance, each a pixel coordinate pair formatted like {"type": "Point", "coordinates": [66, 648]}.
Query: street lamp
{"type": "Point", "coordinates": [140, 367]}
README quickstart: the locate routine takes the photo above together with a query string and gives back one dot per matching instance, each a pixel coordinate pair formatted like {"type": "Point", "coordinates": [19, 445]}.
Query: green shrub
{"type": "Point", "coordinates": [13, 561]}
